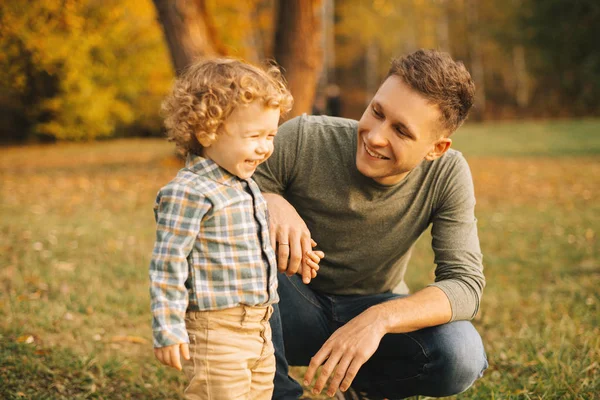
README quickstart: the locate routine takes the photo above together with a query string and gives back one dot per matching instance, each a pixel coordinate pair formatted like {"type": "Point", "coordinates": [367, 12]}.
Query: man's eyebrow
{"type": "Point", "coordinates": [397, 124]}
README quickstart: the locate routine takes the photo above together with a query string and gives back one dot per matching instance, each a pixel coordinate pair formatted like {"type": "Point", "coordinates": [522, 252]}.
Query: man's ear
{"type": "Point", "coordinates": [440, 146]}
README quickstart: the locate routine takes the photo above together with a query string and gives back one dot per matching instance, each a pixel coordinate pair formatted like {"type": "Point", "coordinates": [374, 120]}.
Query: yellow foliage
{"type": "Point", "coordinates": [82, 69]}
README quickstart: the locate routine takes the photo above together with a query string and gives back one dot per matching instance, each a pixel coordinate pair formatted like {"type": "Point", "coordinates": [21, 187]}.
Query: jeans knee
{"type": "Point", "coordinates": [458, 362]}
{"type": "Point", "coordinates": [459, 373]}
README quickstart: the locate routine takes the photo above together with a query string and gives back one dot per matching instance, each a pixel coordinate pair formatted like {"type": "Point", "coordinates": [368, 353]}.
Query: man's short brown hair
{"type": "Point", "coordinates": [441, 80]}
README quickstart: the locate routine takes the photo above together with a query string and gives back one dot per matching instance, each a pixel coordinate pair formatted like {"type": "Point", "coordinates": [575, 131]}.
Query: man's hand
{"type": "Point", "coordinates": [345, 352]}
{"type": "Point", "coordinates": [290, 238]}
{"type": "Point", "coordinates": [169, 355]}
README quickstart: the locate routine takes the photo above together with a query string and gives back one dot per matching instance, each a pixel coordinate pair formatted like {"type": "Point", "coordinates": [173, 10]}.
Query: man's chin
{"type": "Point", "coordinates": [366, 170]}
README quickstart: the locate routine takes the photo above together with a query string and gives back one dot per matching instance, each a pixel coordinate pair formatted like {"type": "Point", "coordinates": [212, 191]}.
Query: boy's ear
{"type": "Point", "coordinates": [205, 141]}
{"type": "Point", "coordinates": [440, 146]}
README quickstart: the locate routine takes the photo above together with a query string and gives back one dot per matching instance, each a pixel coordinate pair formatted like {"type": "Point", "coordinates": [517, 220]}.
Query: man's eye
{"type": "Point", "coordinates": [377, 113]}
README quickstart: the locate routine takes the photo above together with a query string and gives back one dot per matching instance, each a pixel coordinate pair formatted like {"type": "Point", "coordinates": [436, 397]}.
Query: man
{"type": "Point", "coordinates": [364, 192]}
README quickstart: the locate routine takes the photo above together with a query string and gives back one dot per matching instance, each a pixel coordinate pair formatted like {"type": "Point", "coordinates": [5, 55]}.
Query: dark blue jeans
{"type": "Point", "coordinates": [438, 361]}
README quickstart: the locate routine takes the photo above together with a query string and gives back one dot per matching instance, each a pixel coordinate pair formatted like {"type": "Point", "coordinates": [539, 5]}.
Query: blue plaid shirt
{"type": "Point", "coordinates": [212, 248]}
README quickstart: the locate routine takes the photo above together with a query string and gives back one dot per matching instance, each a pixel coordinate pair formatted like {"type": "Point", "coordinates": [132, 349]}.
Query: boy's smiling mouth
{"type": "Point", "coordinates": [254, 163]}
{"type": "Point", "coordinates": [373, 153]}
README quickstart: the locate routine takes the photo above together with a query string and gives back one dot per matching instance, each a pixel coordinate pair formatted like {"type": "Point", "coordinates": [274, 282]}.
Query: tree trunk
{"type": "Point", "coordinates": [327, 42]}
{"type": "Point", "coordinates": [297, 49]}
{"type": "Point", "coordinates": [443, 28]}
{"type": "Point", "coordinates": [522, 89]}
{"type": "Point", "coordinates": [188, 30]}
{"type": "Point", "coordinates": [477, 68]}
{"type": "Point", "coordinates": [372, 71]}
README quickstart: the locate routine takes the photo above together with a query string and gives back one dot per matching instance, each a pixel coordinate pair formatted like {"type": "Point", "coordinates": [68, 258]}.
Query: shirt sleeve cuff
{"type": "Point", "coordinates": [173, 335]}
{"type": "Point", "coordinates": [463, 303]}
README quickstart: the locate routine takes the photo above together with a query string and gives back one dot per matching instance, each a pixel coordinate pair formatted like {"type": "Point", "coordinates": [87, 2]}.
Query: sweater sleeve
{"type": "Point", "coordinates": [459, 271]}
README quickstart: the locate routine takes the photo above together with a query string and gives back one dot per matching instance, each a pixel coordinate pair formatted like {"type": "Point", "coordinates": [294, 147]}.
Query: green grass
{"type": "Point", "coordinates": [541, 138]}
{"type": "Point", "coordinates": [76, 232]}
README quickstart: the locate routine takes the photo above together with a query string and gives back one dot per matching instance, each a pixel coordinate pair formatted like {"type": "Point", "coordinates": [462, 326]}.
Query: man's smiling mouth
{"type": "Point", "coordinates": [373, 154]}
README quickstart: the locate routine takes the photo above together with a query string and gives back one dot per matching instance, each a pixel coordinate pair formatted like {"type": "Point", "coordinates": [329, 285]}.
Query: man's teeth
{"type": "Point", "coordinates": [374, 154]}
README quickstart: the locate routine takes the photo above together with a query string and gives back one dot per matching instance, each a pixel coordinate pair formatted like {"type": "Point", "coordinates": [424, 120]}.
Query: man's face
{"type": "Point", "coordinates": [246, 140]}
{"type": "Point", "coordinates": [398, 130]}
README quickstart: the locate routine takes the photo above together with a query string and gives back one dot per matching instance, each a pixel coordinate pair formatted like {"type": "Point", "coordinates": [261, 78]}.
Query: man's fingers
{"type": "Point", "coordinates": [283, 250]}
{"type": "Point", "coordinates": [295, 253]}
{"type": "Point", "coordinates": [283, 254]}
{"type": "Point", "coordinates": [185, 351]}
{"type": "Point", "coordinates": [340, 373]}
{"type": "Point", "coordinates": [350, 374]}
{"type": "Point", "coordinates": [325, 372]}
{"type": "Point", "coordinates": [315, 363]}
{"type": "Point", "coordinates": [313, 243]}
{"type": "Point", "coordinates": [319, 254]}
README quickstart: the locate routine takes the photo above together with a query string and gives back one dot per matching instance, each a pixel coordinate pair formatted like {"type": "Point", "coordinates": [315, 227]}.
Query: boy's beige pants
{"type": "Point", "coordinates": [231, 354]}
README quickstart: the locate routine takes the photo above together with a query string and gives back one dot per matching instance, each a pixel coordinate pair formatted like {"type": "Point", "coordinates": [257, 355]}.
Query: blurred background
{"type": "Point", "coordinates": [85, 69]}
{"type": "Point", "coordinates": [82, 156]}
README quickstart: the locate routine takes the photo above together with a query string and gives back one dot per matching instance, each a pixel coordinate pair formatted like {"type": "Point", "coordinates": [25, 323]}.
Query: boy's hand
{"type": "Point", "coordinates": [310, 264]}
{"type": "Point", "coordinates": [169, 355]}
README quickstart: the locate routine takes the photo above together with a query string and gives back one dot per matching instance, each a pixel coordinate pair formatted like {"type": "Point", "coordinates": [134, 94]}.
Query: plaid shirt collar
{"type": "Point", "coordinates": [210, 169]}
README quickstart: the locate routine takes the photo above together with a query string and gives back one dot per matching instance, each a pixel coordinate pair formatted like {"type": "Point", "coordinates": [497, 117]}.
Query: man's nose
{"type": "Point", "coordinates": [376, 136]}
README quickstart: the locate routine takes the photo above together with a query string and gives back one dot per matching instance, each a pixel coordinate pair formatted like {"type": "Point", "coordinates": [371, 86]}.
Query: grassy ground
{"type": "Point", "coordinates": [76, 231]}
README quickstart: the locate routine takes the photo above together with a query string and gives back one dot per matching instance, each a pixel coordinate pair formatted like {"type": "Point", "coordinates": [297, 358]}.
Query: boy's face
{"type": "Point", "coordinates": [398, 130]}
{"type": "Point", "coordinates": [246, 139]}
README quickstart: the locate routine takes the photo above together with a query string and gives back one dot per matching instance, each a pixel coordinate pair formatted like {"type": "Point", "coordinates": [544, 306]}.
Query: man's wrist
{"type": "Point", "coordinates": [381, 317]}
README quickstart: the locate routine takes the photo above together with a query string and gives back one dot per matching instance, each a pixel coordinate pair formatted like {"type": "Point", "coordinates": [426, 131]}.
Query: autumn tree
{"type": "Point", "coordinates": [188, 30]}
{"type": "Point", "coordinates": [562, 42]}
{"type": "Point", "coordinates": [191, 32]}
{"type": "Point", "coordinates": [79, 70]}
{"type": "Point", "coordinates": [298, 51]}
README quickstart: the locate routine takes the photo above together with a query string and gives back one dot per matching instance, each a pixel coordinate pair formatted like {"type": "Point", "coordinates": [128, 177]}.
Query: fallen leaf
{"type": "Point", "coordinates": [130, 339]}
{"type": "Point", "coordinates": [65, 266]}
{"type": "Point", "coordinates": [27, 339]}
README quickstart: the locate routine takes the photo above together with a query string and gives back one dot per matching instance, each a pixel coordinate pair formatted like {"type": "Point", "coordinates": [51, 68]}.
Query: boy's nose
{"type": "Point", "coordinates": [263, 147]}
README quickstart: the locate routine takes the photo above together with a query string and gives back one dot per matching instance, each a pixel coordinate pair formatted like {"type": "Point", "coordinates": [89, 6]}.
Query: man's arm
{"type": "Point", "coordinates": [455, 295]}
{"type": "Point", "coordinates": [354, 343]}
{"type": "Point", "coordinates": [455, 242]}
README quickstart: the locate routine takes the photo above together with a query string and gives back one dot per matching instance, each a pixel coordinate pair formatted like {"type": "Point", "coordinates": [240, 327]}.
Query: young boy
{"type": "Point", "coordinates": [213, 270]}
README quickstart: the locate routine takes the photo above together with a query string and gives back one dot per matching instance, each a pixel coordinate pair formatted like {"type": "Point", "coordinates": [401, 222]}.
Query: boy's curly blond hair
{"type": "Point", "coordinates": [207, 92]}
